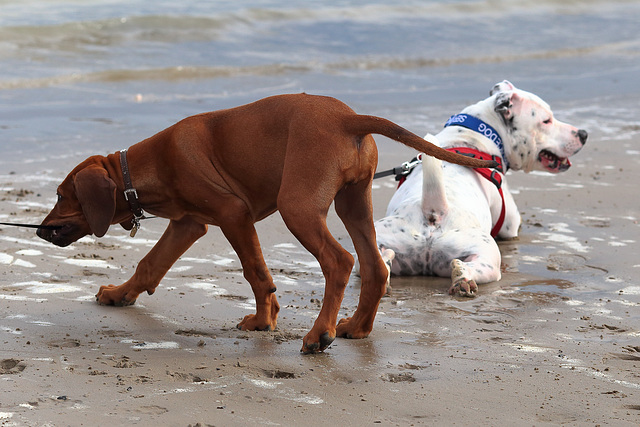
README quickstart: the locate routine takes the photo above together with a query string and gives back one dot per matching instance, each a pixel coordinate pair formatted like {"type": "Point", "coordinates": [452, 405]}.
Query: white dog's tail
{"type": "Point", "coordinates": [434, 199]}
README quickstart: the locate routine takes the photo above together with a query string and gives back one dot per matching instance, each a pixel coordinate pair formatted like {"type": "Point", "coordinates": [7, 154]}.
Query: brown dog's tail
{"type": "Point", "coordinates": [364, 125]}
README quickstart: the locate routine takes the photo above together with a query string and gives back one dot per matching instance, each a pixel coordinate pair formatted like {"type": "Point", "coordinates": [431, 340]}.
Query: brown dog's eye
{"type": "Point", "coordinates": [59, 196]}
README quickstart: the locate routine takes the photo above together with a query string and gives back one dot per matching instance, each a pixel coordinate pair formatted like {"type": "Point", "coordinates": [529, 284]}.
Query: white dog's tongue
{"type": "Point", "coordinates": [553, 163]}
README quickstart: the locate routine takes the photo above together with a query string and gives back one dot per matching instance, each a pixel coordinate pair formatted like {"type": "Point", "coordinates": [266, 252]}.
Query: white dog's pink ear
{"type": "Point", "coordinates": [507, 104]}
{"type": "Point", "coordinates": [96, 193]}
{"type": "Point", "coordinates": [503, 86]}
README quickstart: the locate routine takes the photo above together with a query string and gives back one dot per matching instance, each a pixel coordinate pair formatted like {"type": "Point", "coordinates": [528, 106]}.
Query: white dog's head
{"type": "Point", "coordinates": [535, 139]}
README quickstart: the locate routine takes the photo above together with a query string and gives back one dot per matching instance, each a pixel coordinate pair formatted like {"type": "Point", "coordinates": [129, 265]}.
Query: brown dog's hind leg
{"type": "Point", "coordinates": [177, 238]}
{"type": "Point", "coordinates": [308, 224]}
{"type": "Point", "coordinates": [244, 239]}
{"type": "Point", "coordinates": [353, 205]}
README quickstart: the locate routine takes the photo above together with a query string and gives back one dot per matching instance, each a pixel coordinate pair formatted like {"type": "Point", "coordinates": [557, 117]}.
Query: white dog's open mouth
{"type": "Point", "coordinates": [553, 163]}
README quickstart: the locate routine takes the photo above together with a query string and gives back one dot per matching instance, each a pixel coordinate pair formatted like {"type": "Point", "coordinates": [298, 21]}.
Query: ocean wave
{"type": "Point", "coordinates": [359, 63]}
{"type": "Point", "coordinates": [180, 26]}
{"type": "Point", "coordinates": [86, 35]}
{"type": "Point", "coordinates": [166, 74]}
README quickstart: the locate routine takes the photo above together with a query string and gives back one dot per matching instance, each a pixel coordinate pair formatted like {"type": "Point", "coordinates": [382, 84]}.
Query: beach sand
{"type": "Point", "coordinates": [555, 342]}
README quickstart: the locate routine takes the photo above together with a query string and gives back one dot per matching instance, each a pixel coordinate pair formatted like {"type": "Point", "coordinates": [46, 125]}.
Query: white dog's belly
{"type": "Point", "coordinates": [424, 248]}
{"type": "Point", "coordinates": [410, 238]}
{"type": "Point", "coordinates": [430, 237]}
{"type": "Point", "coordinates": [427, 250]}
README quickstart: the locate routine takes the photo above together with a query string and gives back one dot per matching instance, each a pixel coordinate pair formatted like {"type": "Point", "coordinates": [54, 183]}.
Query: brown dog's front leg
{"type": "Point", "coordinates": [177, 238]}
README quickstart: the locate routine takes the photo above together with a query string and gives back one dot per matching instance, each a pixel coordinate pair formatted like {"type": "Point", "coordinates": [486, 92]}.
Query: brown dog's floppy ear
{"type": "Point", "coordinates": [96, 193]}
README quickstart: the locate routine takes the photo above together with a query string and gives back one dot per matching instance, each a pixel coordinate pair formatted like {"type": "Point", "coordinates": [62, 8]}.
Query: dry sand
{"type": "Point", "coordinates": [556, 342]}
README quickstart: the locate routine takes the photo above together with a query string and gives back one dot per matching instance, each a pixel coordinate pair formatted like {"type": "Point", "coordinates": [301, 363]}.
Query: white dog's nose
{"type": "Point", "coordinates": [582, 135]}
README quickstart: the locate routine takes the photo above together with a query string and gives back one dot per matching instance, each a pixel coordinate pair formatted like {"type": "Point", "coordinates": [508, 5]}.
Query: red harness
{"type": "Point", "coordinates": [493, 175]}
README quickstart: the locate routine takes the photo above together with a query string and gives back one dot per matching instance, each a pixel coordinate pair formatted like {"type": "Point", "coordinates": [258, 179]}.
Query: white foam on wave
{"type": "Point", "coordinates": [21, 298]}
{"type": "Point", "coordinates": [285, 246]}
{"type": "Point", "coordinates": [569, 241]}
{"type": "Point", "coordinates": [38, 288]}
{"type": "Point", "coordinates": [7, 259]}
{"type": "Point", "coordinates": [49, 288]}
{"type": "Point", "coordinates": [30, 242]}
{"type": "Point", "coordinates": [631, 290]}
{"type": "Point", "coordinates": [29, 252]}
{"type": "Point", "coordinates": [223, 262]}
{"type": "Point", "coordinates": [218, 260]}
{"type": "Point", "coordinates": [30, 205]}
{"type": "Point", "coordinates": [210, 288]}
{"type": "Point", "coordinates": [8, 330]}
{"type": "Point", "coordinates": [144, 345]}
{"type": "Point", "coordinates": [99, 263]}
{"type": "Point", "coordinates": [23, 263]}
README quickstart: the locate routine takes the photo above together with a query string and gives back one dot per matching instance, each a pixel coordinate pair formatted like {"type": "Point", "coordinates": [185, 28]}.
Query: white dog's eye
{"type": "Point", "coordinates": [547, 122]}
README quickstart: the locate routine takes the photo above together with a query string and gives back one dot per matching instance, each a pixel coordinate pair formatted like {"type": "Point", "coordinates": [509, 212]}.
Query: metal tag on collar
{"type": "Point", "coordinates": [136, 226]}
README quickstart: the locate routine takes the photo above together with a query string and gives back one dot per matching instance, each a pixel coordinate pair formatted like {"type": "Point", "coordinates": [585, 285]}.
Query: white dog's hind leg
{"type": "Point", "coordinates": [387, 256]}
{"type": "Point", "coordinates": [465, 275]}
{"type": "Point", "coordinates": [470, 257]}
{"type": "Point", "coordinates": [434, 199]}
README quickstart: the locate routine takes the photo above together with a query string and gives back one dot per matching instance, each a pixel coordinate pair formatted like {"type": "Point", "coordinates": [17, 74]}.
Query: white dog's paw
{"type": "Point", "coordinates": [464, 288]}
{"type": "Point", "coordinates": [387, 256]}
{"type": "Point", "coordinates": [462, 285]}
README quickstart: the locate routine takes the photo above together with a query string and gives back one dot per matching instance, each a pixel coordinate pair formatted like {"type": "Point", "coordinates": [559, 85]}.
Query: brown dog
{"type": "Point", "coordinates": [232, 168]}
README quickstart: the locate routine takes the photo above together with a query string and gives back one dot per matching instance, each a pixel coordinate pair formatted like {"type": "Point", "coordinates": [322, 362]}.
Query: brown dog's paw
{"type": "Point", "coordinates": [251, 322]}
{"type": "Point", "coordinates": [347, 328]}
{"type": "Point", "coordinates": [310, 346]}
{"type": "Point", "coordinates": [113, 295]}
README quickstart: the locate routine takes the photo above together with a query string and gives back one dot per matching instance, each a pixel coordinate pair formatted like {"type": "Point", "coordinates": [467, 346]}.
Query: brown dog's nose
{"type": "Point", "coordinates": [44, 234]}
{"type": "Point", "coordinates": [582, 135]}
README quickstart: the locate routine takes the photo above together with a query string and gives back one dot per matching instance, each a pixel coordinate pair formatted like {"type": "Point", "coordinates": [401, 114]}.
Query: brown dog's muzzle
{"type": "Point", "coordinates": [63, 236]}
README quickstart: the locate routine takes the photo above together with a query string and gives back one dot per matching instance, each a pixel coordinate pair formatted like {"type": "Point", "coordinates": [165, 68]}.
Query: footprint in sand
{"type": "Point", "coordinates": [11, 366]}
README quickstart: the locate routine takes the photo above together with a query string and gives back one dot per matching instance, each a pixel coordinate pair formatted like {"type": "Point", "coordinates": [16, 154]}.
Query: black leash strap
{"type": "Point", "coordinates": [44, 227]}
{"type": "Point", "coordinates": [130, 194]}
{"type": "Point", "coordinates": [399, 171]}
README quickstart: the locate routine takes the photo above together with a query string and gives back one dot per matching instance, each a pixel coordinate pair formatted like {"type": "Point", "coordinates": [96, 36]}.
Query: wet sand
{"type": "Point", "coordinates": [556, 342]}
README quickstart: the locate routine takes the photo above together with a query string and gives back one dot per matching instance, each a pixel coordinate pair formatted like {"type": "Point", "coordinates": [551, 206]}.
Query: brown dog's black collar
{"type": "Point", "coordinates": [130, 193]}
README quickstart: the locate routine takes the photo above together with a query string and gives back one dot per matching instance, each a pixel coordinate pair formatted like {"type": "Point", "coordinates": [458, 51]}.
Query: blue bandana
{"type": "Point", "coordinates": [475, 124]}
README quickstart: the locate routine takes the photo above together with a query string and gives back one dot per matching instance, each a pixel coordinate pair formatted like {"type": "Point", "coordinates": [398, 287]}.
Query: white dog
{"type": "Point", "coordinates": [443, 218]}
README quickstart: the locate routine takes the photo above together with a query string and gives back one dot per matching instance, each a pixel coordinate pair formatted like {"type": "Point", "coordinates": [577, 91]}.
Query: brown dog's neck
{"type": "Point", "coordinates": [123, 214]}
{"type": "Point", "coordinates": [130, 193]}
{"type": "Point", "coordinates": [143, 175]}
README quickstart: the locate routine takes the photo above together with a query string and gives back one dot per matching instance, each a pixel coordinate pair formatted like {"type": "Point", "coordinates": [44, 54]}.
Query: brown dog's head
{"type": "Point", "coordinates": [86, 204]}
